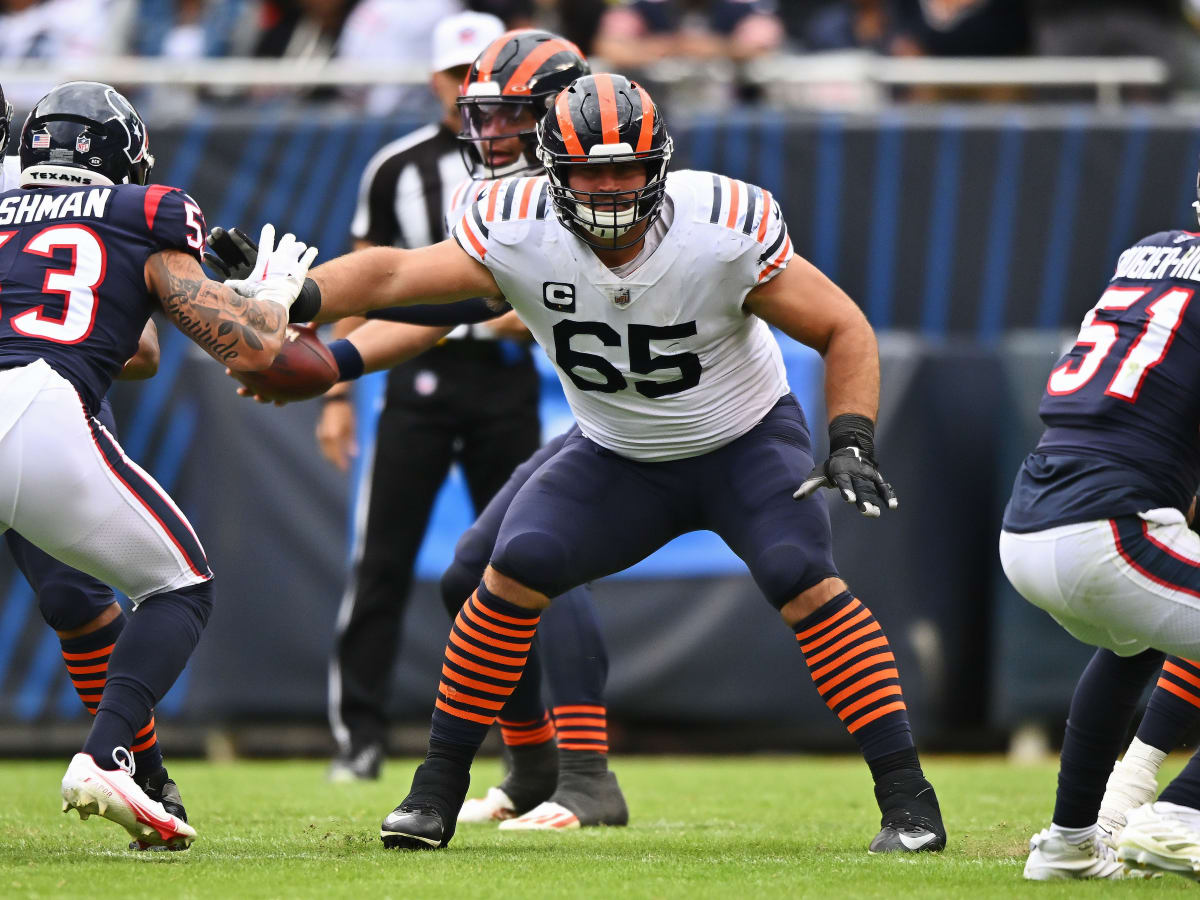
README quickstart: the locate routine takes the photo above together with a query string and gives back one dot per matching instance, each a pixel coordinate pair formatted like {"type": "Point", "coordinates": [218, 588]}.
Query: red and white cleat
{"type": "Point", "coordinates": [495, 806]}
{"type": "Point", "coordinates": [548, 816]}
{"type": "Point", "coordinates": [115, 796]}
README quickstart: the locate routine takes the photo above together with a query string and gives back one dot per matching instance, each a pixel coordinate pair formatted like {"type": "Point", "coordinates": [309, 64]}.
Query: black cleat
{"type": "Point", "coordinates": [912, 819]}
{"type": "Point", "coordinates": [413, 827]}
{"type": "Point", "coordinates": [159, 786]}
{"type": "Point", "coordinates": [425, 819]}
{"type": "Point", "coordinates": [531, 779]}
{"type": "Point", "coordinates": [581, 800]}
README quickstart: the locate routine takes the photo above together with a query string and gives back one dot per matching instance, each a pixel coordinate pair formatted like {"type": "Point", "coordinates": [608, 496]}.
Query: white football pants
{"type": "Point", "coordinates": [66, 486]}
{"type": "Point", "coordinates": [1125, 584]}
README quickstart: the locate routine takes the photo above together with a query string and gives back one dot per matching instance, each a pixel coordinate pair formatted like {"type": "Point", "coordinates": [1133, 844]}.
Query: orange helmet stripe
{"type": "Point", "coordinates": [542, 52]}
{"type": "Point", "coordinates": [647, 131]}
{"type": "Point", "coordinates": [606, 93]}
{"type": "Point", "coordinates": [562, 111]}
{"type": "Point", "coordinates": [487, 59]}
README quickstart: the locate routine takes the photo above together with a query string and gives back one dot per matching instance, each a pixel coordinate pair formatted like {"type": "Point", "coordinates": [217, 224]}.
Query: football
{"type": "Point", "coordinates": [303, 369]}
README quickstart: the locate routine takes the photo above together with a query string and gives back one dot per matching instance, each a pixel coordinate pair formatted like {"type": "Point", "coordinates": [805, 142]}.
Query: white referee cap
{"type": "Point", "coordinates": [457, 40]}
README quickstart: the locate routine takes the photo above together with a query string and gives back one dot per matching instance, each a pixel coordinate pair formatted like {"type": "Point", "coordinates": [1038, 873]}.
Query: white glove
{"type": "Point", "coordinates": [279, 271]}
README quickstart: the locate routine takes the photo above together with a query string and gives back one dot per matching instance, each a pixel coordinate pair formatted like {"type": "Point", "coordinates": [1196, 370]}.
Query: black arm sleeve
{"type": "Point", "coordinates": [464, 312]}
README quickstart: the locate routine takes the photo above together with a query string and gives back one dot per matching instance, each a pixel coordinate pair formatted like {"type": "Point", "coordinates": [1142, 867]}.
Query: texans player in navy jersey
{"type": "Point", "coordinates": [83, 611]}
{"type": "Point", "coordinates": [1096, 533]}
{"type": "Point", "coordinates": [87, 251]}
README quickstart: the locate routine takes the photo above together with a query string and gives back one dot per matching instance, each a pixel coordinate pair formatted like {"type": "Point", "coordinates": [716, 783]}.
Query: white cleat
{"type": "Point", "coordinates": [116, 796]}
{"type": "Point", "coordinates": [1158, 839]}
{"type": "Point", "coordinates": [496, 806]}
{"type": "Point", "coordinates": [548, 816]}
{"type": "Point", "coordinates": [1053, 858]}
{"type": "Point", "coordinates": [1129, 786]}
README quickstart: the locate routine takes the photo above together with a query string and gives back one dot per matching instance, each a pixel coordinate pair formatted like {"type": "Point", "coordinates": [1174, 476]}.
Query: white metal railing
{"type": "Point", "coordinates": [865, 71]}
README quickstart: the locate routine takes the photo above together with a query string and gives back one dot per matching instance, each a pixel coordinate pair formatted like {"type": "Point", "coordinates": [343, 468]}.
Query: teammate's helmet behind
{"type": "Point", "coordinates": [6, 113]}
{"type": "Point", "coordinates": [506, 91]}
{"type": "Point", "coordinates": [605, 119]}
{"type": "Point", "coordinates": [84, 125]}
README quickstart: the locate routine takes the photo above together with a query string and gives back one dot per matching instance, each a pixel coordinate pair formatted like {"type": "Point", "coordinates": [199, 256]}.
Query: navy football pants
{"type": "Point", "coordinates": [588, 512]}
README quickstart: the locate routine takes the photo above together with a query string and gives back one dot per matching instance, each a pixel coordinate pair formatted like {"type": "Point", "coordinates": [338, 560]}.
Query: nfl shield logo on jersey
{"type": "Point", "coordinates": [620, 296]}
{"type": "Point", "coordinates": [83, 143]}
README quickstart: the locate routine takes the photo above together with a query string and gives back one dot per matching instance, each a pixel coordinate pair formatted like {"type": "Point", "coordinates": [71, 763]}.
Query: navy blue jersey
{"type": "Point", "coordinates": [1122, 407]}
{"type": "Point", "coordinates": [72, 274]}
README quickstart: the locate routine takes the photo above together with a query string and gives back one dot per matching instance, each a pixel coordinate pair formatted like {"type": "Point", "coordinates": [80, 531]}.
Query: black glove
{"type": "Point", "coordinates": [851, 468]}
{"type": "Point", "coordinates": [231, 253]}
{"type": "Point", "coordinates": [234, 254]}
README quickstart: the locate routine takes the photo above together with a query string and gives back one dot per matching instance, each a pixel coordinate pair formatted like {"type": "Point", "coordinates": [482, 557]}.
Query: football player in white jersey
{"type": "Point", "coordinates": [653, 294]}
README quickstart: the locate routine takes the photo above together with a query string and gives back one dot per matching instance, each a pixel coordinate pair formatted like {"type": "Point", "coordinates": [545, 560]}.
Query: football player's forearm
{"type": "Point", "coordinates": [144, 363]}
{"type": "Point", "coordinates": [242, 333]}
{"type": "Point", "coordinates": [385, 344]}
{"type": "Point", "coordinates": [852, 371]}
{"type": "Point", "coordinates": [379, 277]}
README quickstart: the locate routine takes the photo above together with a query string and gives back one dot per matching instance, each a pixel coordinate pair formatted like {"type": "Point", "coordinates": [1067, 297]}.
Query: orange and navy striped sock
{"type": "Point", "coordinates": [485, 655]}
{"type": "Point", "coordinates": [1174, 705]}
{"type": "Point", "coordinates": [522, 734]}
{"type": "Point", "coordinates": [582, 727]}
{"type": "Point", "coordinates": [87, 665]}
{"type": "Point", "coordinates": [853, 667]}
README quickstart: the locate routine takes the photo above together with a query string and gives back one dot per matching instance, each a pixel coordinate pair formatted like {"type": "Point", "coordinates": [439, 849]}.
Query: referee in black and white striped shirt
{"type": "Point", "coordinates": [472, 399]}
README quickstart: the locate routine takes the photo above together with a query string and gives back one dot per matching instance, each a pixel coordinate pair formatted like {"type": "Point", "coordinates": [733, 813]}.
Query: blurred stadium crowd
{"type": "Point", "coordinates": [626, 34]}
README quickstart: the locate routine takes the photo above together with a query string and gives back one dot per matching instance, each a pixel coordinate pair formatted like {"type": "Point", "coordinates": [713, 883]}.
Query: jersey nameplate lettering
{"type": "Point", "coordinates": [35, 206]}
{"type": "Point", "coordinates": [1150, 263]}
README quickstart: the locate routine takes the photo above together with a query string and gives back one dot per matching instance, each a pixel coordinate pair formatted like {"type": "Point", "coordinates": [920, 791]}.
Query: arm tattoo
{"type": "Point", "coordinates": [220, 320]}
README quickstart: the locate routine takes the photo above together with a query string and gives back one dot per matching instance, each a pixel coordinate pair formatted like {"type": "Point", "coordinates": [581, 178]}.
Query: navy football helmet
{"type": "Point", "coordinates": [84, 132]}
{"type": "Point", "coordinates": [602, 119]}
{"type": "Point", "coordinates": [5, 122]}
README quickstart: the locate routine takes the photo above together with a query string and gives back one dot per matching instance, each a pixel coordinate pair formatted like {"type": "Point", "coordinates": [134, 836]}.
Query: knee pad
{"type": "Point", "coordinates": [537, 560]}
{"type": "Point", "coordinates": [785, 570]}
{"type": "Point", "coordinates": [68, 599]}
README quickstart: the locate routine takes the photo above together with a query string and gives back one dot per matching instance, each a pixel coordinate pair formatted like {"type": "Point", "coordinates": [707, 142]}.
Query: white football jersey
{"type": "Point", "coordinates": [10, 172]}
{"type": "Point", "coordinates": [663, 363]}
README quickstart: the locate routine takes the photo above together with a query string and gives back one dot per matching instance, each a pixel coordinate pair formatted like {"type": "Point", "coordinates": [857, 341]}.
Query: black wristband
{"type": "Point", "coordinates": [307, 305]}
{"type": "Point", "coordinates": [334, 398]}
{"type": "Point", "coordinates": [852, 430]}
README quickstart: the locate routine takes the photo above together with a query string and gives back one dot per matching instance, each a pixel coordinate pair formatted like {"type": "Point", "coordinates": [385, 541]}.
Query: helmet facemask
{"type": "Point", "coordinates": [609, 220]}
{"type": "Point", "coordinates": [487, 119]}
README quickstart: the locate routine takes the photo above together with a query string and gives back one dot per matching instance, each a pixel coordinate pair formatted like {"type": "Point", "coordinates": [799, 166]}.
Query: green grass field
{"type": "Point", "coordinates": [749, 827]}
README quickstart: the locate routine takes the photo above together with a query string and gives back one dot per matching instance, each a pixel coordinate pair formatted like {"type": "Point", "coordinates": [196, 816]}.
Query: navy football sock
{"type": "Point", "coordinates": [854, 669]}
{"type": "Point", "coordinates": [486, 652]}
{"type": "Point", "coordinates": [524, 719]}
{"type": "Point", "coordinates": [147, 658]}
{"type": "Point", "coordinates": [1174, 707]}
{"type": "Point", "coordinates": [87, 659]}
{"type": "Point", "coordinates": [1097, 728]}
{"type": "Point", "coordinates": [1184, 790]}
{"type": "Point", "coordinates": [576, 662]}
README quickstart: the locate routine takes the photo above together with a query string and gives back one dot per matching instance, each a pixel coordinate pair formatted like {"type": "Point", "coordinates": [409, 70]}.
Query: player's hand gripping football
{"type": "Point", "coordinates": [851, 469]}
{"type": "Point", "coordinates": [279, 270]}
